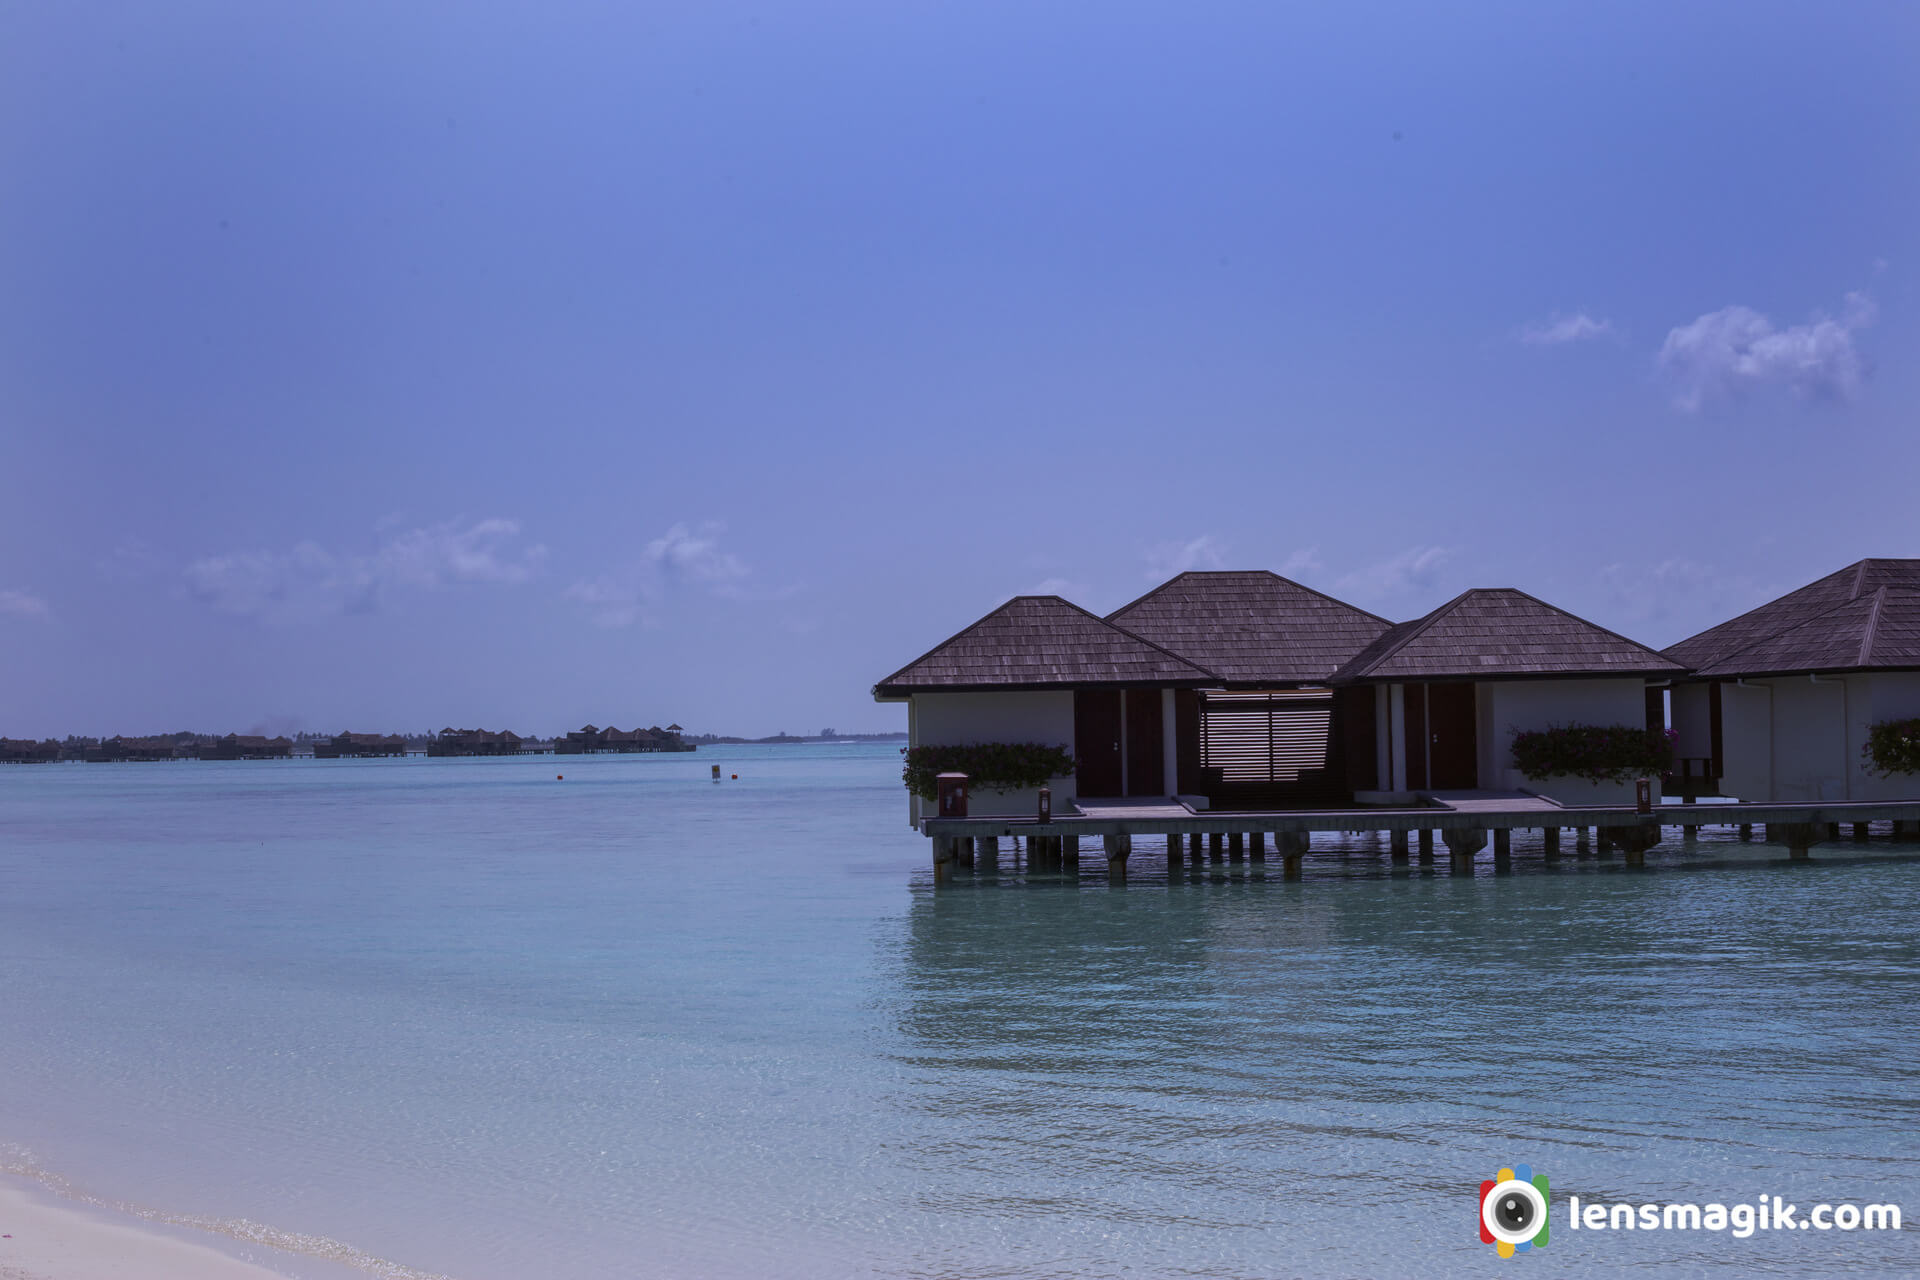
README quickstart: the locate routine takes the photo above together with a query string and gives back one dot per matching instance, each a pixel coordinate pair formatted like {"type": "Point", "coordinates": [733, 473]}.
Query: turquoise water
{"type": "Point", "coordinates": [475, 1021]}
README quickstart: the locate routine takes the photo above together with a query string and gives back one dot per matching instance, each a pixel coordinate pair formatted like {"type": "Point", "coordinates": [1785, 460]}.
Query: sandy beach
{"type": "Point", "coordinates": [43, 1238]}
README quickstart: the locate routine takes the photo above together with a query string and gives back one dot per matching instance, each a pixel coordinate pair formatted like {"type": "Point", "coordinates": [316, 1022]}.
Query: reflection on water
{"type": "Point", "coordinates": [1230, 1074]}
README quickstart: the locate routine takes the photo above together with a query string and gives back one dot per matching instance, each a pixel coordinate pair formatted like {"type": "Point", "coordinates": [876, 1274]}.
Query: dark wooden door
{"type": "Point", "coordinates": [1146, 744]}
{"type": "Point", "coordinates": [1353, 724]}
{"type": "Point", "coordinates": [1416, 708]}
{"type": "Point", "coordinates": [1096, 741]}
{"type": "Point", "coordinates": [1454, 762]}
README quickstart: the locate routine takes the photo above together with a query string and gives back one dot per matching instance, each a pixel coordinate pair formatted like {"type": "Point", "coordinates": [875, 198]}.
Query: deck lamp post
{"type": "Point", "coordinates": [1643, 795]}
{"type": "Point", "coordinates": [1046, 804]}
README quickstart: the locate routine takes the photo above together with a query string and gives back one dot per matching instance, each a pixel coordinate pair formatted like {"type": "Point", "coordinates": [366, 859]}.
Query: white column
{"type": "Point", "coordinates": [1383, 738]}
{"type": "Point", "coordinates": [1170, 745]}
{"type": "Point", "coordinates": [1397, 719]}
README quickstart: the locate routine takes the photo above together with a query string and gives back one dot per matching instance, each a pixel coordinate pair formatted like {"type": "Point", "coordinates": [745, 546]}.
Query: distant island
{"type": "Point", "coordinates": [590, 740]}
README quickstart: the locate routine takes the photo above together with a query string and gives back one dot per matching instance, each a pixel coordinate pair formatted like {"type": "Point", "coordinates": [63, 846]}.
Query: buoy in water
{"type": "Point", "coordinates": [559, 777]}
{"type": "Point", "coordinates": [736, 777]}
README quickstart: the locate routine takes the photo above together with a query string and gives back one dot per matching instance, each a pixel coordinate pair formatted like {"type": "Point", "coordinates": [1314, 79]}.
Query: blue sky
{"type": "Point", "coordinates": [389, 366]}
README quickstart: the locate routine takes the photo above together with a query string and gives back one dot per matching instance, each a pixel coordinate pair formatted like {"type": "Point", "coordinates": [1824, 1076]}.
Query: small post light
{"type": "Point", "coordinates": [952, 791]}
{"type": "Point", "coordinates": [1643, 795]}
{"type": "Point", "coordinates": [1046, 804]}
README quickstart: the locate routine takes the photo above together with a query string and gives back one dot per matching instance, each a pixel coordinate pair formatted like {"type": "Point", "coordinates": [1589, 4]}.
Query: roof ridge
{"type": "Point", "coordinates": [987, 617]}
{"type": "Point", "coordinates": [1415, 627]}
{"type": "Point", "coordinates": [1872, 627]}
{"type": "Point", "coordinates": [1858, 567]}
{"type": "Point", "coordinates": [1771, 637]}
{"type": "Point", "coordinates": [1184, 661]}
{"type": "Point", "coordinates": [978, 622]}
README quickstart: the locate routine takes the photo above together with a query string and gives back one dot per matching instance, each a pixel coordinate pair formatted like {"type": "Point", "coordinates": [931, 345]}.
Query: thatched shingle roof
{"type": "Point", "coordinates": [1877, 631]}
{"type": "Point", "coordinates": [1500, 632]}
{"type": "Point", "coordinates": [1712, 647]}
{"type": "Point", "coordinates": [1251, 627]}
{"type": "Point", "coordinates": [1034, 642]}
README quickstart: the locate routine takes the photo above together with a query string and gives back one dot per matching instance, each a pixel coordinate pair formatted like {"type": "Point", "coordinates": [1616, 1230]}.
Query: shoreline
{"type": "Point", "coordinates": [50, 1237]}
{"type": "Point", "coordinates": [49, 1233]}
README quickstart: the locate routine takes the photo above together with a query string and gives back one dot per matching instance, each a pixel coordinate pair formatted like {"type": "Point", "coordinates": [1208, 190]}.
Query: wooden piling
{"type": "Point", "coordinates": [1292, 846]}
{"type": "Point", "coordinates": [1550, 837]}
{"type": "Point", "coordinates": [1257, 846]}
{"type": "Point", "coordinates": [942, 859]}
{"type": "Point", "coordinates": [1860, 830]}
{"type": "Point", "coordinates": [1117, 848]}
{"type": "Point", "coordinates": [1397, 845]}
{"type": "Point", "coordinates": [1236, 847]}
{"type": "Point", "coordinates": [986, 851]}
{"type": "Point", "coordinates": [1173, 853]}
{"type": "Point", "coordinates": [963, 851]}
{"type": "Point", "coordinates": [1502, 845]}
{"type": "Point", "coordinates": [1746, 831]}
{"type": "Point", "coordinates": [1799, 837]}
{"type": "Point", "coordinates": [1462, 844]}
{"type": "Point", "coordinates": [1216, 847]}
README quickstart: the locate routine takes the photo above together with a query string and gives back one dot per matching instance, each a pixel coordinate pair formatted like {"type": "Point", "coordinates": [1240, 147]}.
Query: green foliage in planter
{"type": "Point", "coordinates": [1893, 746]}
{"type": "Point", "coordinates": [1598, 753]}
{"type": "Point", "coordinates": [989, 766]}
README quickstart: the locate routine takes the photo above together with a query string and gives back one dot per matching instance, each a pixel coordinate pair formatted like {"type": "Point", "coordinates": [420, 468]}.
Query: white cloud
{"type": "Point", "coordinates": [1559, 329]}
{"type": "Point", "coordinates": [682, 554]}
{"type": "Point", "coordinates": [22, 604]}
{"type": "Point", "coordinates": [1415, 569]}
{"type": "Point", "coordinates": [696, 557]}
{"type": "Point", "coordinates": [309, 581]}
{"type": "Point", "coordinates": [1303, 562]}
{"type": "Point", "coordinates": [1169, 558]}
{"type": "Point", "coordinates": [1682, 592]}
{"type": "Point", "coordinates": [1725, 352]}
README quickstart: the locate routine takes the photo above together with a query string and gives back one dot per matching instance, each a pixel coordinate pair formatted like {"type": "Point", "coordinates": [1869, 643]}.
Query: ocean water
{"type": "Point", "coordinates": [468, 1020]}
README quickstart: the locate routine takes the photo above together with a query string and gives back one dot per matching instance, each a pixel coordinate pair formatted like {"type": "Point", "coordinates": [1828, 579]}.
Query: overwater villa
{"type": "Point", "coordinates": [1237, 706]}
{"type": "Point", "coordinates": [1243, 690]}
{"type": "Point", "coordinates": [1782, 700]}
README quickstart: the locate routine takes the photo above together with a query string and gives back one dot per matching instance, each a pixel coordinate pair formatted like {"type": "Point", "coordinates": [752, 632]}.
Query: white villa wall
{"type": "Point", "coordinates": [1746, 739]}
{"type": "Point", "coordinates": [1885, 695]}
{"type": "Point", "coordinates": [1809, 739]}
{"type": "Point", "coordinates": [1510, 705]}
{"type": "Point", "coordinates": [959, 719]}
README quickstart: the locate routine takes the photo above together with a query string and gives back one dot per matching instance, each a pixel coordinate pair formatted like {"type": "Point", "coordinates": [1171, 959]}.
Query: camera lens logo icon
{"type": "Point", "coordinates": [1513, 1210]}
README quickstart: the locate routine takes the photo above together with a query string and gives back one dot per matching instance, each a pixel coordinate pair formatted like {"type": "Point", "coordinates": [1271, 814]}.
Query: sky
{"type": "Point", "coordinates": [378, 367]}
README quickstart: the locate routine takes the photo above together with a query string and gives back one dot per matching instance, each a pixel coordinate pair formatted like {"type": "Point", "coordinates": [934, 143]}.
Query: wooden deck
{"type": "Point", "coordinates": [1465, 823]}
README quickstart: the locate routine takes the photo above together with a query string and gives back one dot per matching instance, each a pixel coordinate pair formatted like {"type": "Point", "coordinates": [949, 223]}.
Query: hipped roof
{"type": "Point", "coordinates": [1716, 646]}
{"type": "Point", "coordinates": [1502, 632]}
{"type": "Point", "coordinates": [1034, 642]}
{"type": "Point", "coordinates": [1251, 627]}
{"type": "Point", "coordinates": [1877, 631]}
